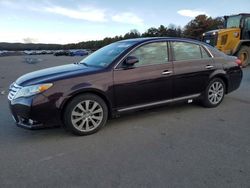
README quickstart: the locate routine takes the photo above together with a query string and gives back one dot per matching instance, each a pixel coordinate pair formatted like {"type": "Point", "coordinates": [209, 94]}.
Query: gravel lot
{"type": "Point", "coordinates": [181, 145]}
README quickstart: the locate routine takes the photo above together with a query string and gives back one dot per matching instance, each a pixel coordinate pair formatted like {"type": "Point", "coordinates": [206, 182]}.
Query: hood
{"type": "Point", "coordinates": [52, 74]}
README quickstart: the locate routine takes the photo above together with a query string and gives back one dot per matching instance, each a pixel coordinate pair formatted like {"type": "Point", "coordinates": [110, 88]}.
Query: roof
{"type": "Point", "coordinates": [148, 39]}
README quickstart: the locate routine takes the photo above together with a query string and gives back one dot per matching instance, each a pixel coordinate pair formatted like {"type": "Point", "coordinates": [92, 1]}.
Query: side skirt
{"type": "Point", "coordinates": [137, 107]}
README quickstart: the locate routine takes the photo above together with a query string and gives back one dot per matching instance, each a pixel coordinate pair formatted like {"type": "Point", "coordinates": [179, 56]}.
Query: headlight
{"type": "Point", "coordinates": [32, 90]}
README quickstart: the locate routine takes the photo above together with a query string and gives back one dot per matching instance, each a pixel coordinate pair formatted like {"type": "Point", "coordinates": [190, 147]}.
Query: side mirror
{"type": "Point", "coordinates": [131, 60]}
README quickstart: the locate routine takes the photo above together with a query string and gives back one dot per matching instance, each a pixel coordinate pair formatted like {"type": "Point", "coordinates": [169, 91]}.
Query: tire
{"type": "Point", "coordinates": [244, 55]}
{"type": "Point", "coordinates": [85, 114]}
{"type": "Point", "coordinates": [214, 93]}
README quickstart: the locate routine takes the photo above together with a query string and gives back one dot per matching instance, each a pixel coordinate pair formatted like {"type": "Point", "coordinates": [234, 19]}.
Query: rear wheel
{"type": "Point", "coordinates": [244, 55]}
{"type": "Point", "coordinates": [214, 93]}
{"type": "Point", "coordinates": [85, 114]}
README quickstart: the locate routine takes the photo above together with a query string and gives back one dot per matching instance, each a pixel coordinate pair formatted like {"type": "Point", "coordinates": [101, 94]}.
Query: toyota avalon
{"type": "Point", "coordinates": [123, 76]}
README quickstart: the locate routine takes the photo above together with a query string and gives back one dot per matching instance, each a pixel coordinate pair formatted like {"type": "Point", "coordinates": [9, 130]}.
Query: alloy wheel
{"type": "Point", "coordinates": [216, 92]}
{"type": "Point", "coordinates": [87, 115]}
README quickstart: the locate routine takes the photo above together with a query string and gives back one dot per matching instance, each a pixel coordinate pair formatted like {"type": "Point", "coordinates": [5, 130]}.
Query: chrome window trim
{"type": "Point", "coordinates": [212, 56]}
{"type": "Point", "coordinates": [168, 41]}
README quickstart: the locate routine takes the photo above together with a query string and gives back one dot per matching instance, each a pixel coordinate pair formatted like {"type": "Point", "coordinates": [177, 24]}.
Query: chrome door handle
{"type": "Point", "coordinates": [209, 67]}
{"type": "Point", "coordinates": [167, 72]}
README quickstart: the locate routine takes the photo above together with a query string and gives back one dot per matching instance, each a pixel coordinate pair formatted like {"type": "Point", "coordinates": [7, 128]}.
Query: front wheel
{"type": "Point", "coordinates": [214, 93]}
{"type": "Point", "coordinates": [85, 114]}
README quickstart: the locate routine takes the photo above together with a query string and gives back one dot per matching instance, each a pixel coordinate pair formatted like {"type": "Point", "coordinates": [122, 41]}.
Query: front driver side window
{"type": "Point", "coordinates": [153, 53]}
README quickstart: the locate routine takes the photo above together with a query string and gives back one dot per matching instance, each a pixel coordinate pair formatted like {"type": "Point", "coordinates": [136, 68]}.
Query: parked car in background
{"type": "Point", "coordinates": [62, 53]}
{"type": "Point", "coordinates": [124, 76]}
{"type": "Point", "coordinates": [37, 52]}
{"type": "Point", "coordinates": [79, 53]}
{"type": "Point", "coordinates": [11, 53]}
{"type": "Point", "coordinates": [3, 52]}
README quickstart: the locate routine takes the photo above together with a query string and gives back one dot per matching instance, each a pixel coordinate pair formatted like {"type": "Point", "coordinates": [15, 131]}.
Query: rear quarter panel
{"type": "Point", "coordinates": [232, 70]}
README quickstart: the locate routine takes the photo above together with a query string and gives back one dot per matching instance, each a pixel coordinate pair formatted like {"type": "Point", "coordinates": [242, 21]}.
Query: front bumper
{"type": "Point", "coordinates": [34, 112]}
{"type": "Point", "coordinates": [27, 123]}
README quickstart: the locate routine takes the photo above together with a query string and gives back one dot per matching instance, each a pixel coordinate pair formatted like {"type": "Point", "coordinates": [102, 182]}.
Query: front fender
{"type": "Point", "coordinates": [62, 102]}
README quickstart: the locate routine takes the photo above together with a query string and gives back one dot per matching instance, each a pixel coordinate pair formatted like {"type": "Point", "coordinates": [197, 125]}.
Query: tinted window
{"type": "Point", "coordinates": [186, 51]}
{"type": "Point", "coordinates": [153, 53]}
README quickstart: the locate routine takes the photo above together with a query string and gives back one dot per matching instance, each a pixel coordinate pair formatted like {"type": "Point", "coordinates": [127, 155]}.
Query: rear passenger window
{"type": "Point", "coordinates": [186, 51]}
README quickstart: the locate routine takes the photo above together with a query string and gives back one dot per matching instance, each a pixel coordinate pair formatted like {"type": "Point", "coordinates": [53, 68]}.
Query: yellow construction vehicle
{"type": "Point", "coordinates": [234, 38]}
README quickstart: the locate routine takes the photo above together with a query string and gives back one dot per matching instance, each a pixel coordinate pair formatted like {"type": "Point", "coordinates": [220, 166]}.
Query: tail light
{"type": "Point", "coordinates": [238, 62]}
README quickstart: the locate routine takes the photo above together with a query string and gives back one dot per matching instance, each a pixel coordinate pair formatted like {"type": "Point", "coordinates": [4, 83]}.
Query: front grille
{"type": "Point", "coordinates": [14, 88]}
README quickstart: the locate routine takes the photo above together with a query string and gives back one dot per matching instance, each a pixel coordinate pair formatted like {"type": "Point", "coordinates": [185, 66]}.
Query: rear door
{"type": "Point", "coordinates": [192, 67]}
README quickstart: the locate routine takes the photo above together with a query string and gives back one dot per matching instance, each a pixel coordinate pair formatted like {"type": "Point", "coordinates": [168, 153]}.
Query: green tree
{"type": "Point", "coordinates": [132, 34]}
{"type": "Point", "coordinates": [162, 31]}
{"type": "Point", "coordinates": [151, 32]}
{"type": "Point", "coordinates": [201, 24]}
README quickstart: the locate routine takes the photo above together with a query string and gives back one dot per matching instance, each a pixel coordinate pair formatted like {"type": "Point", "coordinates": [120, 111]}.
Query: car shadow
{"type": "Point", "coordinates": [171, 109]}
{"type": "Point", "coordinates": [58, 132]}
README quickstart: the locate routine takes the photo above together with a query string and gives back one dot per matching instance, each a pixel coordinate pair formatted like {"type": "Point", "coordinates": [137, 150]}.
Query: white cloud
{"type": "Point", "coordinates": [89, 14]}
{"type": "Point", "coordinates": [82, 12]}
{"type": "Point", "coordinates": [30, 40]}
{"type": "Point", "coordinates": [191, 13]}
{"type": "Point", "coordinates": [128, 18]}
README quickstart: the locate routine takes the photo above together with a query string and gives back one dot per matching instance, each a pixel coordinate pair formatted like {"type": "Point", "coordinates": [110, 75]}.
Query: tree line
{"type": "Point", "coordinates": [193, 29]}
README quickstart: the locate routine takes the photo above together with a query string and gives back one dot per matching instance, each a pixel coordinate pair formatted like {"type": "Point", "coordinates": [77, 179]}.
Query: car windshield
{"type": "Point", "coordinates": [106, 55]}
{"type": "Point", "coordinates": [233, 22]}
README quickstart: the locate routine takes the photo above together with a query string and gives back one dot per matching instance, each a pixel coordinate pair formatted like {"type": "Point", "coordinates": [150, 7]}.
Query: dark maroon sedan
{"type": "Point", "coordinates": [123, 76]}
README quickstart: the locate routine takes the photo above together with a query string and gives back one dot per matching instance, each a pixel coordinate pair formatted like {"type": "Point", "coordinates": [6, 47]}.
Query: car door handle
{"type": "Point", "coordinates": [209, 67]}
{"type": "Point", "coordinates": [167, 72]}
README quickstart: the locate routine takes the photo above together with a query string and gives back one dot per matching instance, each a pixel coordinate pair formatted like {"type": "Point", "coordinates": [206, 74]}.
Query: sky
{"type": "Point", "coordinates": [72, 21]}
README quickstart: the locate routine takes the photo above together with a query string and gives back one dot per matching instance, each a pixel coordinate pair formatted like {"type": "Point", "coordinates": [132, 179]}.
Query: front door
{"type": "Point", "coordinates": [148, 81]}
